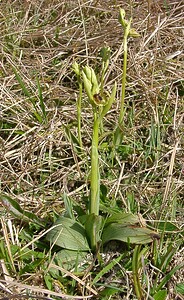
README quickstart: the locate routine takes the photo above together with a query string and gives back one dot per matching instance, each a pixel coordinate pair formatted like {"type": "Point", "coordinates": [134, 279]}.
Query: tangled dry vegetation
{"type": "Point", "coordinates": [39, 41]}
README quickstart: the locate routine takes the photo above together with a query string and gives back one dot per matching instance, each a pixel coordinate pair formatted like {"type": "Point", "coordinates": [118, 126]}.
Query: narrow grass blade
{"type": "Point", "coordinates": [168, 276]}
{"type": "Point", "coordinates": [42, 104]}
{"type": "Point", "coordinates": [22, 85]}
{"type": "Point", "coordinates": [68, 207]}
{"type": "Point", "coordinates": [107, 268]}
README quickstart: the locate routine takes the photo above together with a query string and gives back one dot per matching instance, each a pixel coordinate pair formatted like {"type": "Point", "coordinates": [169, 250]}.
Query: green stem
{"type": "Point", "coordinates": [118, 136]}
{"type": "Point", "coordinates": [126, 33]}
{"type": "Point", "coordinates": [79, 100]}
{"type": "Point", "coordinates": [95, 180]}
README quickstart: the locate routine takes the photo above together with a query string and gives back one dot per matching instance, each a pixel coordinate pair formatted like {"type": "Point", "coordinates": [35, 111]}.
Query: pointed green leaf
{"type": "Point", "coordinates": [72, 139]}
{"type": "Point", "coordinates": [130, 234]}
{"type": "Point", "coordinates": [123, 218]}
{"type": "Point", "coordinates": [169, 275]}
{"type": "Point", "coordinates": [167, 226]}
{"type": "Point", "coordinates": [22, 84]}
{"type": "Point", "coordinates": [109, 291]}
{"type": "Point", "coordinates": [133, 33]}
{"type": "Point", "coordinates": [68, 207]}
{"type": "Point", "coordinates": [15, 209]}
{"type": "Point", "coordinates": [38, 116]}
{"type": "Point", "coordinates": [68, 234]}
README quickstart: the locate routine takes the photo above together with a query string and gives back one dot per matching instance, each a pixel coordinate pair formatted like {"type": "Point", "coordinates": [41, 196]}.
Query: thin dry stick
{"type": "Point", "coordinates": [154, 32]}
{"type": "Point", "coordinates": [24, 296]}
{"type": "Point", "coordinates": [74, 277]}
{"type": "Point", "coordinates": [45, 291]}
{"type": "Point", "coordinates": [119, 179]}
{"type": "Point", "coordinates": [170, 173]}
{"type": "Point", "coordinates": [6, 273]}
{"type": "Point", "coordinates": [5, 234]}
{"type": "Point", "coordinates": [37, 238]}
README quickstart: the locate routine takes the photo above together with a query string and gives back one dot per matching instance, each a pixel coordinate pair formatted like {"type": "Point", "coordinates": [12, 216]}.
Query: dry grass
{"type": "Point", "coordinates": [37, 162]}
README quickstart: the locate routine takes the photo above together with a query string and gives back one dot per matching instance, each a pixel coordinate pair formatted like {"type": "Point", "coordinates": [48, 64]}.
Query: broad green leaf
{"type": "Point", "coordinates": [15, 209]}
{"type": "Point", "coordinates": [130, 234]}
{"type": "Point", "coordinates": [69, 259]}
{"type": "Point", "coordinates": [68, 234]}
{"type": "Point", "coordinates": [105, 208]}
{"type": "Point", "coordinates": [160, 295]}
{"type": "Point", "coordinates": [123, 218]}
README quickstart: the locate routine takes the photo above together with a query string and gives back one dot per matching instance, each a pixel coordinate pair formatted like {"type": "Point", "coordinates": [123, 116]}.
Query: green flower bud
{"type": "Point", "coordinates": [90, 84]}
{"type": "Point", "coordinates": [121, 18]}
{"type": "Point", "coordinates": [88, 87]}
{"type": "Point", "coordinates": [94, 81]}
{"type": "Point", "coordinates": [76, 68]}
{"type": "Point", "coordinates": [87, 71]}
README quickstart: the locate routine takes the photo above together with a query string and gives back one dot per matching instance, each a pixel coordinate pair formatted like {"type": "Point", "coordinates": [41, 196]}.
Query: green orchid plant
{"type": "Point", "coordinates": [80, 232]}
{"type": "Point", "coordinates": [88, 231]}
